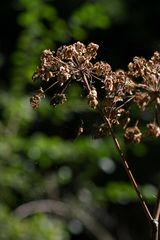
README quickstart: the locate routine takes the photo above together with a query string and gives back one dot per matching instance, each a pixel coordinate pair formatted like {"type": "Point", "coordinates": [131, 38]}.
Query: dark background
{"type": "Point", "coordinates": [40, 156]}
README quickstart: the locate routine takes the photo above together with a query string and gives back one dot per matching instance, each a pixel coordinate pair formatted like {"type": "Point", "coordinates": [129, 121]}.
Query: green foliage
{"type": "Point", "coordinates": [35, 161]}
{"type": "Point", "coordinates": [84, 18]}
{"type": "Point", "coordinates": [38, 227]}
{"type": "Point", "coordinates": [41, 29]}
{"type": "Point", "coordinates": [33, 165]}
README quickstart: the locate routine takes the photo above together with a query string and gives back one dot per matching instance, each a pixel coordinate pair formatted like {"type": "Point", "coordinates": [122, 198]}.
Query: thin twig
{"type": "Point", "coordinates": [125, 164]}
{"type": "Point", "coordinates": [51, 86]}
{"type": "Point", "coordinates": [157, 208]}
{"type": "Point", "coordinates": [129, 173]}
{"type": "Point", "coordinates": [154, 230]}
{"type": "Point", "coordinates": [86, 82]}
{"type": "Point", "coordinates": [155, 223]}
{"type": "Point", "coordinates": [127, 169]}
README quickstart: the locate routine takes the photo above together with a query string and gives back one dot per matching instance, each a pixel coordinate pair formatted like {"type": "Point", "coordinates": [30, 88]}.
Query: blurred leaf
{"type": "Point", "coordinates": [139, 150]}
{"type": "Point", "coordinates": [39, 227]}
{"type": "Point", "coordinates": [89, 16]}
{"type": "Point", "coordinates": [120, 192]}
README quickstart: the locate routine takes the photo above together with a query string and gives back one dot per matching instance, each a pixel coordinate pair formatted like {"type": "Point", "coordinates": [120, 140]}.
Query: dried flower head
{"type": "Point", "coordinates": [92, 98]}
{"type": "Point", "coordinates": [133, 135]}
{"type": "Point", "coordinates": [92, 50]}
{"type": "Point", "coordinates": [142, 99]}
{"type": "Point", "coordinates": [73, 63]}
{"type": "Point", "coordinates": [35, 100]}
{"type": "Point", "coordinates": [153, 130]}
{"type": "Point", "coordinates": [137, 68]}
{"type": "Point", "coordinates": [101, 68]}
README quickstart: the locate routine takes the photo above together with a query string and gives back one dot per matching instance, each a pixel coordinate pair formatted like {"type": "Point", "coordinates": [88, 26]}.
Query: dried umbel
{"type": "Point", "coordinates": [122, 91]}
{"type": "Point", "coordinates": [139, 85]}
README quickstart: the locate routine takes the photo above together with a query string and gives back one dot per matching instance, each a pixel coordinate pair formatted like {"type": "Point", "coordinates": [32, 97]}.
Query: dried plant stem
{"type": "Point", "coordinates": [157, 209]}
{"type": "Point", "coordinates": [125, 164]}
{"type": "Point", "coordinates": [86, 82]}
{"type": "Point", "coordinates": [129, 173]}
{"type": "Point", "coordinates": [155, 224]}
{"type": "Point", "coordinates": [153, 221]}
{"type": "Point", "coordinates": [74, 62]}
{"type": "Point", "coordinates": [154, 229]}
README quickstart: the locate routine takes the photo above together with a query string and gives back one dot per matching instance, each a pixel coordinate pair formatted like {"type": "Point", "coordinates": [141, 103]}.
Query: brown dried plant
{"type": "Point", "coordinates": [138, 86]}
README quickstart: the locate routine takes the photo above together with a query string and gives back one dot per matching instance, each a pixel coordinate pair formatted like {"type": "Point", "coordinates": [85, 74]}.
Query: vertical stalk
{"type": "Point", "coordinates": [157, 208]}
{"type": "Point", "coordinates": [129, 173]}
{"type": "Point", "coordinates": [154, 228]}
{"type": "Point", "coordinates": [155, 223]}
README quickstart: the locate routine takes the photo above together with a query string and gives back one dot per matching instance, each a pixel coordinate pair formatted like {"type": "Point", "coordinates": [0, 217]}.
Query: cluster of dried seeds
{"type": "Point", "coordinates": [139, 86]}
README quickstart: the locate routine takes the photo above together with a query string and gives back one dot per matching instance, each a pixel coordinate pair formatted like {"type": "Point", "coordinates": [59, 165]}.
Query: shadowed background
{"type": "Point", "coordinates": [54, 185]}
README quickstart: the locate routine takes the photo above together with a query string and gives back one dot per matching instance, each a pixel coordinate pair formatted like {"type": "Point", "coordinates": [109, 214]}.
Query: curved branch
{"type": "Point", "coordinates": [39, 206]}
{"type": "Point", "coordinates": [67, 211]}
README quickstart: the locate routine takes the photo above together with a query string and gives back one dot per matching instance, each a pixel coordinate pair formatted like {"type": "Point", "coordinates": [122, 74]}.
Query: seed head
{"type": "Point", "coordinates": [35, 99]}
{"type": "Point", "coordinates": [92, 98]}
{"type": "Point", "coordinates": [133, 135]}
{"type": "Point", "coordinates": [153, 130]}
